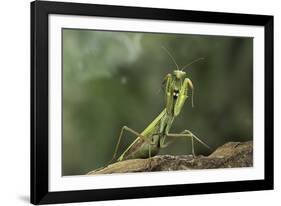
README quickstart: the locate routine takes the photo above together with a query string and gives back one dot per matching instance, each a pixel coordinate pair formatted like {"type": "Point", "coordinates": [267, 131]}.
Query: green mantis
{"type": "Point", "coordinates": [153, 138]}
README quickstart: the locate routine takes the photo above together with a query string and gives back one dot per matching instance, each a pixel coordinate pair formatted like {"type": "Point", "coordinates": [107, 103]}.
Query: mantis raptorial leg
{"type": "Point", "coordinates": [131, 131]}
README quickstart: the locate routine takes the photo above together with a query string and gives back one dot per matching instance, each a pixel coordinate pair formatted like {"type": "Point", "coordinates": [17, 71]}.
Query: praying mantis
{"type": "Point", "coordinates": [152, 138]}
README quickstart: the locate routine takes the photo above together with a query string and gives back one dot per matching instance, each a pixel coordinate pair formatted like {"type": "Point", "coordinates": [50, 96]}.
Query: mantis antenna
{"type": "Point", "coordinates": [171, 56]}
{"type": "Point", "coordinates": [196, 60]}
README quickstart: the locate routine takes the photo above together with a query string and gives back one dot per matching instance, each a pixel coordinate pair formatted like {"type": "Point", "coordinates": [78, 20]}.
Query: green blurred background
{"type": "Point", "coordinates": [111, 79]}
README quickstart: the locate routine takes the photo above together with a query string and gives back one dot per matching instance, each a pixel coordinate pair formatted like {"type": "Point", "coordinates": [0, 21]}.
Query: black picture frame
{"type": "Point", "coordinates": [39, 102]}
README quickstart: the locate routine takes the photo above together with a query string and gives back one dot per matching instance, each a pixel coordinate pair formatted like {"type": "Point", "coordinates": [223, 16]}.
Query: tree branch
{"type": "Point", "coordinates": [232, 154]}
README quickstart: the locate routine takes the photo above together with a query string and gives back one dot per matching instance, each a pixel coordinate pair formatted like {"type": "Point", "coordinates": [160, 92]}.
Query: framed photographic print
{"type": "Point", "coordinates": [131, 102]}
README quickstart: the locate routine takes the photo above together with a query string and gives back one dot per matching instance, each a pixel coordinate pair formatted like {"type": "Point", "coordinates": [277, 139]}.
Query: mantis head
{"type": "Point", "coordinates": [179, 74]}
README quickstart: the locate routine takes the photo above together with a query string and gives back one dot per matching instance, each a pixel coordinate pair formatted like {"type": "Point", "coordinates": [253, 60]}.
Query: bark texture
{"type": "Point", "coordinates": [229, 155]}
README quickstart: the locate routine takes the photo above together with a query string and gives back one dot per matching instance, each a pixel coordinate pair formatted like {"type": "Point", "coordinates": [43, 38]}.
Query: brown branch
{"type": "Point", "coordinates": [232, 154]}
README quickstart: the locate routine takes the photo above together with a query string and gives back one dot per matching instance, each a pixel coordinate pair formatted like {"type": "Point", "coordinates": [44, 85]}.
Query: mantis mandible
{"type": "Point", "coordinates": [152, 139]}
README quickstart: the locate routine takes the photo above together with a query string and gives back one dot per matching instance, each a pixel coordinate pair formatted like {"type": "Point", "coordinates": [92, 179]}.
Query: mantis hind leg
{"type": "Point", "coordinates": [125, 128]}
{"type": "Point", "coordinates": [189, 134]}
